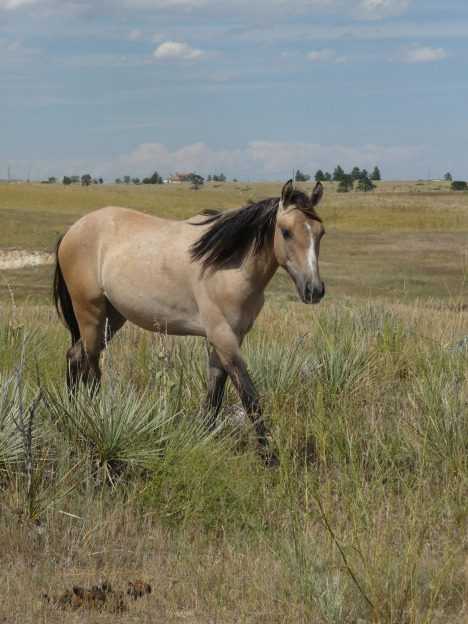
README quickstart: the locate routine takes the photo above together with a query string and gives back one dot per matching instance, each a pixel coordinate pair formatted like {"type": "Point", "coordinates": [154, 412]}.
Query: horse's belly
{"type": "Point", "coordinates": [161, 316]}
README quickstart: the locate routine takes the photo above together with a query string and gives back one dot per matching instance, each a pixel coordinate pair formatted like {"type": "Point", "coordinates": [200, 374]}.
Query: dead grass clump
{"type": "Point", "coordinates": [102, 598]}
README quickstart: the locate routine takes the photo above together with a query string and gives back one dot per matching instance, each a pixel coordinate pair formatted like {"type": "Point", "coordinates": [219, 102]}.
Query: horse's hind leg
{"type": "Point", "coordinates": [83, 357]}
{"type": "Point", "coordinates": [77, 365]}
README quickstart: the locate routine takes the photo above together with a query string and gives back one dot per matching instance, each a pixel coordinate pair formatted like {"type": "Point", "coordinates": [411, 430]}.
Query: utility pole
{"type": "Point", "coordinates": [8, 174]}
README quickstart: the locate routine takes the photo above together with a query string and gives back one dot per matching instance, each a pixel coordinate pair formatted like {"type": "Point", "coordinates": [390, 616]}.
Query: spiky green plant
{"type": "Point", "coordinates": [116, 429]}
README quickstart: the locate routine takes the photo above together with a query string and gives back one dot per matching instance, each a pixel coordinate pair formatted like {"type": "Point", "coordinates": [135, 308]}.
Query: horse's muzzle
{"type": "Point", "coordinates": [313, 292]}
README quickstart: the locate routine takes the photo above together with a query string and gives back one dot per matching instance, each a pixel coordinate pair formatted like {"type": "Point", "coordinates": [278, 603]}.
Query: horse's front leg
{"type": "Point", "coordinates": [244, 386]}
{"type": "Point", "coordinates": [227, 346]}
{"type": "Point", "coordinates": [216, 383]}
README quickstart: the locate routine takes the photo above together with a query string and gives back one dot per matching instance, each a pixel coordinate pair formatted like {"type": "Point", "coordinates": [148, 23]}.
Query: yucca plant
{"type": "Point", "coordinates": [276, 367]}
{"type": "Point", "coordinates": [439, 399]}
{"type": "Point", "coordinates": [29, 474]}
{"type": "Point", "coordinates": [115, 429]}
{"type": "Point", "coordinates": [10, 438]}
{"type": "Point", "coordinates": [343, 365]}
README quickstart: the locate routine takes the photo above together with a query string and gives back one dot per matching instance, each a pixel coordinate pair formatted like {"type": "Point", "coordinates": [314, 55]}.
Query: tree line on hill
{"type": "Point", "coordinates": [85, 180]}
{"type": "Point", "coordinates": [155, 178]}
{"type": "Point", "coordinates": [346, 180]}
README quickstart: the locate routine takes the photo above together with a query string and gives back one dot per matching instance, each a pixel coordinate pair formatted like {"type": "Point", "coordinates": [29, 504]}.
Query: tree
{"type": "Point", "coordinates": [154, 179]}
{"type": "Point", "coordinates": [364, 184]}
{"type": "Point", "coordinates": [301, 177]}
{"type": "Point", "coordinates": [86, 179]}
{"type": "Point", "coordinates": [448, 177]}
{"type": "Point", "coordinates": [127, 179]}
{"type": "Point", "coordinates": [356, 173]}
{"type": "Point", "coordinates": [338, 174]}
{"type": "Point", "coordinates": [52, 180]}
{"type": "Point", "coordinates": [219, 178]}
{"type": "Point", "coordinates": [197, 181]}
{"type": "Point", "coordinates": [458, 185]}
{"type": "Point", "coordinates": [66, 181]}
{"type": "Point", "coordinates": [75, 179]}
{"type": "Point", "coordinates": [136, 180]}
{"type": "Point", "coordinates": [375, 175]}
{"type": "Point", "coordinates": [327, 177]}
{"type": "Point", "coordinates": [346, 184]}
{"type": "Point", "coordinates": [118, 181]}
{"type": "Point", "coordinates": [101, 181]}
{"type": "Point", "coordinates": [319, 176]}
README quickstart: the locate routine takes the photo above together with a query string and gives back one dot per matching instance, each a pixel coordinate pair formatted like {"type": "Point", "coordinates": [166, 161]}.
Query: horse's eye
{"type": "Point", "coordinates": [286, 233]}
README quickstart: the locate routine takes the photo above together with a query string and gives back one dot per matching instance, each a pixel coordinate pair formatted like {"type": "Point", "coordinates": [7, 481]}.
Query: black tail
{"type": "Point", "coordinates": [62, 299]}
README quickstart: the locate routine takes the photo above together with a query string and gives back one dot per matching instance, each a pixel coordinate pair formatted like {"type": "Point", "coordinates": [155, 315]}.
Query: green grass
{"type": "Point", "coordinates": [365, 397]}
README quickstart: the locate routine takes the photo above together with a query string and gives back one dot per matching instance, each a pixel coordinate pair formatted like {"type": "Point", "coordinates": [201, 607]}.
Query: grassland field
{"type": "Point", "coordinates": [365, 397]}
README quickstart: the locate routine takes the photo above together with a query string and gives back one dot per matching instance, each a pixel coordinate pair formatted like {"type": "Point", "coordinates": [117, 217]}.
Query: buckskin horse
{"type": "Point", "coordinates": [205, 276]}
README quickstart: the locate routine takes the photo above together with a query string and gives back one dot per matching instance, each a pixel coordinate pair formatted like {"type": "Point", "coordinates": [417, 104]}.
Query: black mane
{"type": "Point", "coordinates": [240, 230]}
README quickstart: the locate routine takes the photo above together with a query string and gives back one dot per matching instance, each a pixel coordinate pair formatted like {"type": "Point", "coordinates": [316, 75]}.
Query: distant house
{"type": "Point", "coordinates": [180, 177]}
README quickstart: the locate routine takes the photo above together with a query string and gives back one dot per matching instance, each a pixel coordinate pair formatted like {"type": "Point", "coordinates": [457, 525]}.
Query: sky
{"type": "Point", "coordinates": [254, 89]}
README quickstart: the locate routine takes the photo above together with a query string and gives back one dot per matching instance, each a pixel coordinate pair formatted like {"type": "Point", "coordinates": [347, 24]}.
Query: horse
{"type": "Point", "coordinates": [205, 276]}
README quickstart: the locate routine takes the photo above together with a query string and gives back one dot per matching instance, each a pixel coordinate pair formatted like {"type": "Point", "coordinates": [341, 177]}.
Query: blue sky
{"type": "Point", "coordinates": [253, 89]}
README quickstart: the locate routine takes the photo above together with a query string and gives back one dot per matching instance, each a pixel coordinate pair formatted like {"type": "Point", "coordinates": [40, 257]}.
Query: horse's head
{"type": "Point", "coordinates": [297, 240]}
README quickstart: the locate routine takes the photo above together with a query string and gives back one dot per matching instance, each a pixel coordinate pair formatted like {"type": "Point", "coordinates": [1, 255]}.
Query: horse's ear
{"type": "Point", "coordinates": [316, 194]}
{"type": "Point", "coordinates": [287, 194]}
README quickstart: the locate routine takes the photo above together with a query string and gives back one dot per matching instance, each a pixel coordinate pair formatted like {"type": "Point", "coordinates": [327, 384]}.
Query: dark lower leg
{"type": "Point", "coordinates": [244, 386]}
{"type": "Point", "coordinates": [81, 368]}
{"type": "Point", "coordinates": [216, 385]}
{"type": "Point", "coordinates": [76, 367]}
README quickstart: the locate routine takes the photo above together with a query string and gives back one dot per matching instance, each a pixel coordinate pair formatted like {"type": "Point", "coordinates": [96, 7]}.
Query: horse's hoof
{"type": "Point", "coordinates": [271, 460]}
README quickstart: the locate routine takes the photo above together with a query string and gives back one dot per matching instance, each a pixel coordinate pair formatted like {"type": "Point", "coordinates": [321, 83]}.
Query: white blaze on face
{"type": "Point", "coordinates": [311, 257]}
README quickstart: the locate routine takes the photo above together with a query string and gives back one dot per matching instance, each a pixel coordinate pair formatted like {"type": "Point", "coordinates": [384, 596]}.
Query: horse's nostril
{"type": "Point", "coordinates": [314, 292]}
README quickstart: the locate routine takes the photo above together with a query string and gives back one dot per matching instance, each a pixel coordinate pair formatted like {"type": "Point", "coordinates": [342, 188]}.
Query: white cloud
{"type": "Point", "coordinates": [9, 45]}
{"type": "Point", "coordinates": [326, 56]}
{"type": "Point", "coordinates": [135, 35]}
{"type": "Point", "coordinates": [275, 157]}
{"type": "Point", "coordinates": [261, 11]}
{"type": "Point", "coordinates": [289, 55]}
{"type": "Point", "coordinates": [155, 156]}
{"type": "Point", "coordinates": [11, 5]}
{"type": "Point", "coordinates": [413, 53]}
{"type": "Point", "coordinates": [181, 52]}
{"type": "Point", "coordinates": [260, 160]}
{"type": "Point", "coordinates": [379, 9]}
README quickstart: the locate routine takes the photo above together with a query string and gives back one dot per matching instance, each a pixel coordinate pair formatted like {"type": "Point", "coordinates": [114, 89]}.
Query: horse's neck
{"type": "Point", "coordinates": [262, 267]}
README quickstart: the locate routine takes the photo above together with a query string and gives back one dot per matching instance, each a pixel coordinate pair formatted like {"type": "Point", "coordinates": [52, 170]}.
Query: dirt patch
{"type": "Point", "coordinates": [20, 258]}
